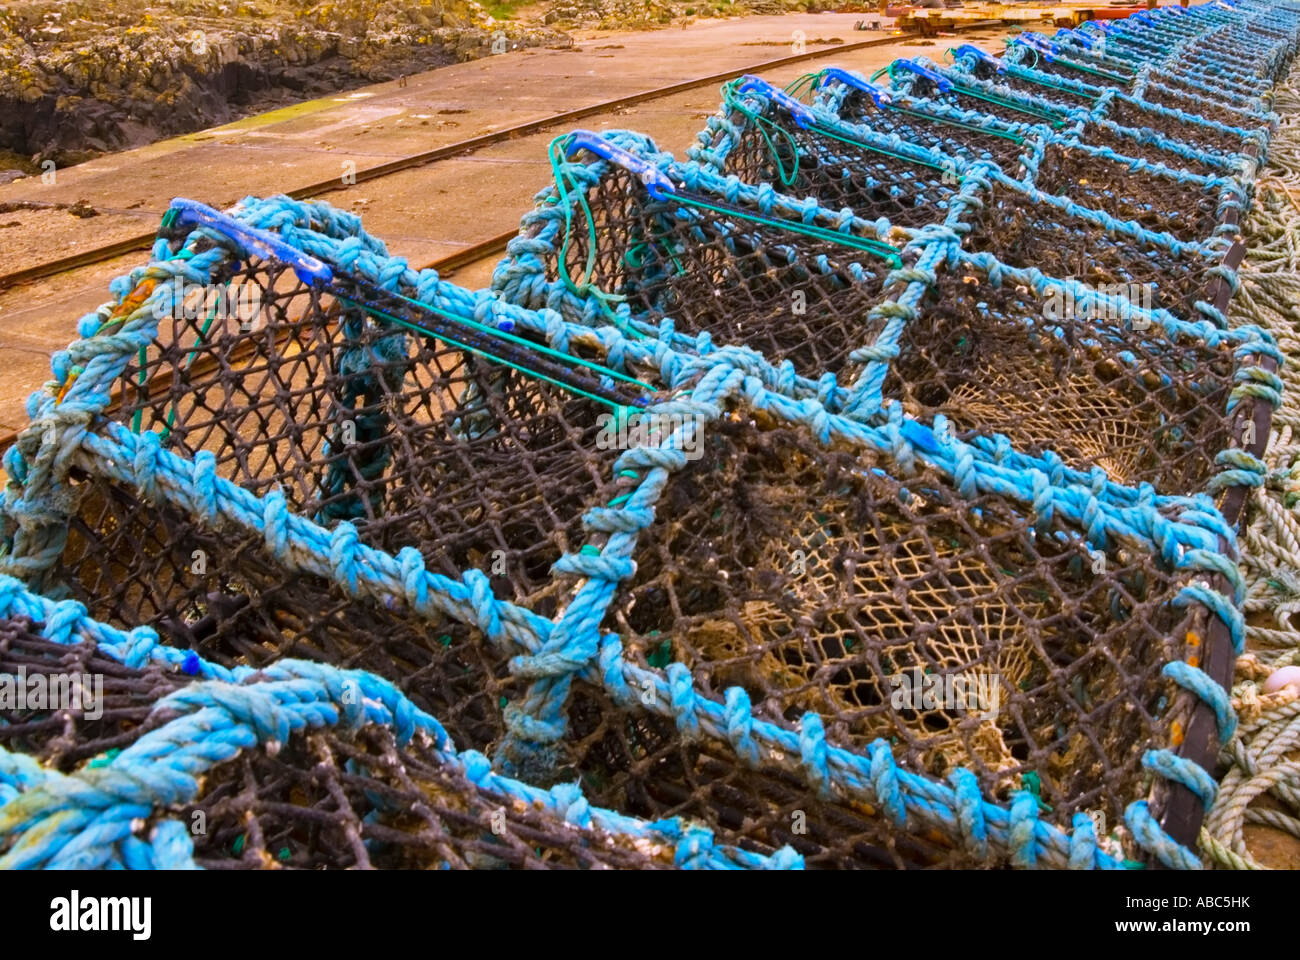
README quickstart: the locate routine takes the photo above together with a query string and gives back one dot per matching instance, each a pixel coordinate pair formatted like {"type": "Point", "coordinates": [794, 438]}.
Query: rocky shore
{"type": "Point", "coordinates": [80, 79]}
{"type": "Point", "coordinates": [648, 14]}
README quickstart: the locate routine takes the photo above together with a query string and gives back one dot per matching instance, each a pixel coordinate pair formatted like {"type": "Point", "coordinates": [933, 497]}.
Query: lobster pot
{"type": "Point", "coordinates": [1024, 229]}
{"type": "Point", "coordinates": [1238, 94]}
{"type": "Point", "coordinates": [966, 131]}
{"type": "Point", "coordinates": [640, 761]}
{"type": "Point", "coordinates": [998, 101]}
{"type": "Point", "coordinates": [1137, 129]}
{"type": "Point", "coordinates": [1201, 105]}
{"type": "Point", "coordinates": [327, 798]}
{"type": "Point", "coordinates": [846, 167]}
{"type": "Point", "coordinates": [1161, 201]}
{"type": "Point", "coordinates": [1227, 54]}
{"type": "Point", "coordinates": [1046, 89]}
{"type": "Point", "coordinates": [1096, 74]}
{"type": "Point", "coordinates": [1186, 129]}
{"type": "Point", "coordinates": [740, 268]}
{"type": "Point", "coordinates": [821, 581]}
{"type": "Point", "coordinates": [416, 443]}
{"type": "Point", "coordinates": [1140, 396]}
{"type": "Point", "coordinates": [1145, 143]}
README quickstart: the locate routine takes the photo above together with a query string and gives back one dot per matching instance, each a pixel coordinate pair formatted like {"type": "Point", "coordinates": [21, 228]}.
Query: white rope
{"type": "Point", "coordinates": [1269, 729]}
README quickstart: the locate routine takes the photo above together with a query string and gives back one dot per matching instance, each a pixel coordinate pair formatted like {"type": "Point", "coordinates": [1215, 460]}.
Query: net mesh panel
{"type": "Point", "coordinates": [923, 87]}
{"type": "Point", "coordinates": [1058, 69]}
{"type": "Point", "coordinates": [1226, 54]}
{"type": "Point", "coordinates": [476, 467]}
{"type": "Point", "coordinates": [840, 174]}
{"type": "Point", "coordinates": [917, 127]}
{"type": "Point", "coordinates": [323, 799]}
{"type": "Point", "coordinates": [1140, 404]}
{"type": "Point", "coordinates": [1023, 233]}
{"type": "Point", "coordinates": [811, 579]}
{"type": "Point", "coordinates": [1162, 204]}
{"type": "Point", "coordinates": [132, 562]}
{"type": "Point", "coordinates": [1059, 97]}
{"type": "Point", "coordinates": [1209, 139]}
{"type": "Point", "coordinates": [1234, 93]}
{"type": "Point", "coordinates": [1200, 108]}
{"type": "Point", "coordinates": [1096, 135]}
{"type": "Point", "coordinates": [730, 276]}
{"type": "Point", "coordinates": [419, 442]}
{"type": "Point", "coordinates": [639, 762]}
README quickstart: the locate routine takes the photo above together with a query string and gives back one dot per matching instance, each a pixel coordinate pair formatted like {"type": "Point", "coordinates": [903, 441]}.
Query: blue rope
{"type": "Point", "coordinates": [87, 818]}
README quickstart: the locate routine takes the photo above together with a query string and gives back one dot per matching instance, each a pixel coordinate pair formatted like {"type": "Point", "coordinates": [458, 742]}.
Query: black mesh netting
{"type": "Point", "coordinates": [1144, 405]}
{"type": "Point", "coordinates": [819, 583]}
{"type": "Point", "coordinates": [1234, 93]}
{"type": "Point", "coordinates": [1176, 100]}
{"type": "Point", "coordinates": [413, 439]}
{"type": "Point", "coordinates": [222, 594]}
{"type": "Point", "coordinates": [747, 283]}
{"type": "Point", "coordinates": [476, 467]}
{"type": "Point", "coordinates": [1001, 107]}
{"type": "Point", "coordinates": [1041, 88]}
{"type": "Point", "coordinates": [920, 127]}
{"type": "Point", "coordinates": [1186, 210]}
{"type": "Point", "coordinates": [1208, 139]}
{"type": "Point", "coordinates": [1097, 76]}
{"type": "Point", "coordinates": [1098, 135]}
{"type": "Point", "coordinates": [874, 182]}
{"type": "Point", "coordinates": [1023, 233]}
{"type": "Point", "coordinates": [323, 799]}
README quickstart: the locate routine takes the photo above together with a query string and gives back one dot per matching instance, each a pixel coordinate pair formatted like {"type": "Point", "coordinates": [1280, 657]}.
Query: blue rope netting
{"type": "Point", "coordinates": [557, 640]}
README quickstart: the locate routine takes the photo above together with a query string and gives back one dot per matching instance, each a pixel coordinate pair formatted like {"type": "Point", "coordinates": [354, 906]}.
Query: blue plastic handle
{"type": "Point", "coordinates": [942, 82]}
{"type": "Point", "coordinates": [752, 84]}
{"type": "Point", "coordinates": [654, 179]}
{"type": "Point", "coordinates": [1039, 43]}
{"type": "Point", "coordinates": [849, 79]}
{"type": "Point", "coordinates": [1082, 37]}
{"type": "Point", "coordinates": [1141, 17]}
{"type": "Point", "coordinates": [253, 240]}
{"type": "Point", "coordinates": [969, 49]}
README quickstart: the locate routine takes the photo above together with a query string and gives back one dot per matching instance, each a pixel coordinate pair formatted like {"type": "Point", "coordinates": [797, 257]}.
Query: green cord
{"type": "Point", "coordinates": [1054, 86]}
{"type": "Point", "coordinates": [415, 328]}
{"type": "Point", "coordinates": [761, 123]}
{"type": "Point", "coordinates": [535, 347]}
{"type": "Point", "coordinates": [136, 420]}
{"type": "Point", "coordinates": [809, 82]}
{"type": "Point", "coordinates": [881, 150]}
{"type": "Point", "coordinates": [555, 153]}
{"type": "Point", "coordinates": [1051, 117]}
{"type": "Point", "coordinates": [1006, 135]}
{"type": "Point", "coordinates": [875, 247]}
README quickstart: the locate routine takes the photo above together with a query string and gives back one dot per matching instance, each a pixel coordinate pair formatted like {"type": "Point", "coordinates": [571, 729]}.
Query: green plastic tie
{"type": "Point", "coordinates": [662, 655]}
{"type": "Point", "coordinates": [104, 759]}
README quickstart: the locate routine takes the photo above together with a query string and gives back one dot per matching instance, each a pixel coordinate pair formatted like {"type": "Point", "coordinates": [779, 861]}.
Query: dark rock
{"type": "Point", "coordinates": [121, 74]}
